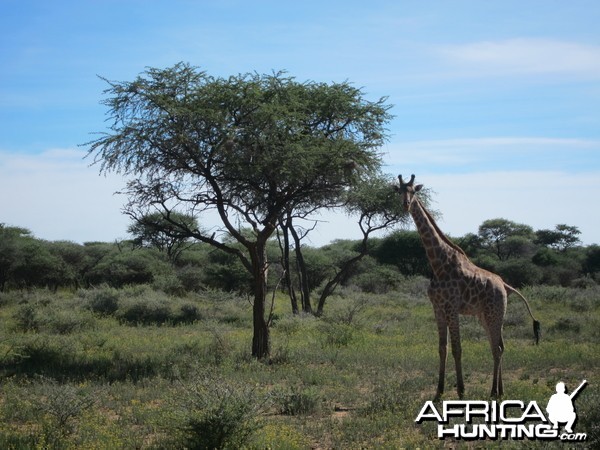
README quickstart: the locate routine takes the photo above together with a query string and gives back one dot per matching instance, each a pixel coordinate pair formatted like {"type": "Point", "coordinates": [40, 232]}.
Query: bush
{"type": "Point", "coordinates": [145, 311]}
{"type": "Point", "coordinates": [190, 278]}
{"type": "Point", "coordinates": [566, 325]}
{"type": "Point", "coordinates": [188, 313]}
{"type": "Point", "coordinates": [26, 318]}
{"type": "Point", "coordinates": [520, 272]}
{"type": "Point", "coordinates": [104, 300]}
{"type": "Point", "coordinates": [296, 401]}
{"type": "Point", "coordinates": [588, 415]}
{"type": "Point", "coordinates": [336, 335]}
{"type": "Point", "coordinates": [216, 414]}
{"type": "Point", "coordinates": [379, 280]}
{"type": "Point", "coordinates": [169, 283]}
{"type": "Point", "coordinates": [67, 321]}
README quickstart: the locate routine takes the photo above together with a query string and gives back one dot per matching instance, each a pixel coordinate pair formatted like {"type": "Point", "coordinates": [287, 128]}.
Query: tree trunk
{"type": "Point", "coordinates": [286, 266]}
{"type": "Point", "coordinates": [304, 287]}
{"type": "Point", "coordinates": [333, 283]}
{"type": "Point", "coordinates": [260, 338]}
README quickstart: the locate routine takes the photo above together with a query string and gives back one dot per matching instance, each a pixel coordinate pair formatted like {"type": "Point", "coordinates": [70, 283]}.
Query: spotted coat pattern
{"type": "Point", "coordinates": [459, 287]}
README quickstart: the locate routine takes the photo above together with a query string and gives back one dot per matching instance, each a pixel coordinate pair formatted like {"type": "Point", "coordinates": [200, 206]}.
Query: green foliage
{"type": "Point", "coordinates": [63, 403]}
{"type": "Point", "coordinates": [561, 238]}
{"type": "Point", "coordinates": [190, 139]}
{"type": "Point", "coordinates": [354, 377]}
{"type": "Point", "coordinates": [378, 280]}
{"type": "Point", "coordinates": [504, 237]}
{"type": "Point", "coordinates": [519, 272]}
{"type": "Point", "coordinates": [104, 300]}
{"type": "Point", "coordinates": [404, 250]}
{"type": "Point", "coordinates": [27, 262]}
{"type": "Point", "coordinates": [296, 401]}
{"type": "Point", "coordinates": [165, 233]}
{"type": "Point", "coordinates": [588, 415]}
{"type": "Point", "coordinates": [591, 263]}
{"type": "Point", "coordinates": [319, 266]}
{"type": "Point", "coordinates": [336, 335]}
{"type": "Point", "coordinates": [130, 267]}
{"type": "Point", "coordinates": [149, 310]}
{"type": "Point", "coordinates": [226, 272]}
{"type": "Point", "coordinates": [213, 413]}
{"type": "Point", "coordinates": [391, 397]}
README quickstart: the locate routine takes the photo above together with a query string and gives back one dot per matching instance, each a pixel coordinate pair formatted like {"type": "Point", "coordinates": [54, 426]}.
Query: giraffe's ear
{"type": "Point", "coordinates": [418, 187]}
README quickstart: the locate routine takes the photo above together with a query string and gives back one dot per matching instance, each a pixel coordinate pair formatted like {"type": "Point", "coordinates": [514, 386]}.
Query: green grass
{"type": "Point", "coordinates": [138, 369]}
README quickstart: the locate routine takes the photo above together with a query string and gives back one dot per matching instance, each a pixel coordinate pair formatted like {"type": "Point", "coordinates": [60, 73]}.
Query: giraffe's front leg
{"type": "Point", "coordinates": [453, 326]}
{"type": "Point", "coordinates": [443, 349]}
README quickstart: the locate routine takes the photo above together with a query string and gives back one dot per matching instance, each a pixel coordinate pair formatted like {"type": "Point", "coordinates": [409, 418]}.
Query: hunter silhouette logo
{"type": "Point", "coordinates": [508, 419]}
{"type": "Point", "coordinates": [560, 407]}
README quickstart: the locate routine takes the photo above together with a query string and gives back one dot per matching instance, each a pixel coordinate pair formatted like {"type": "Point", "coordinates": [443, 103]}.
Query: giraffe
{"type": "Point", "coordinates": [458, 287]}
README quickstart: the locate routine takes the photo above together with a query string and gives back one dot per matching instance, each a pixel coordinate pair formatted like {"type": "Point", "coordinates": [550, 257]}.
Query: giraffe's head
{"type": "Point", "coordinates": [407, 191]}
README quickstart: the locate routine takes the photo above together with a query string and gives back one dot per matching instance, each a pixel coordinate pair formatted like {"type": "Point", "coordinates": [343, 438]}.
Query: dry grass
{"type": "Point", "coordinates": [354, 379]}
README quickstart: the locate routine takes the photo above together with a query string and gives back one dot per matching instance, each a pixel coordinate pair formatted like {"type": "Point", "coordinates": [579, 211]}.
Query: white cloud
{"type": "Point", "coordinates": [524, 56]}
{"type": "Point", "coordinates": [460, 152]}
{"type": "Point", "coordinates": [533, 180]}
{"type": "Point", "coordinates": [58, 196]}
{"type": "Point", "coordinates": [539, 199]}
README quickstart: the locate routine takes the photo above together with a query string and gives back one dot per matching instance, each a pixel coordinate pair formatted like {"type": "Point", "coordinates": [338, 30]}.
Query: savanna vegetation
{"type": "Point", "coordinates": [143, 343]}
{"type": "Point", "coordinates": [123, 345]}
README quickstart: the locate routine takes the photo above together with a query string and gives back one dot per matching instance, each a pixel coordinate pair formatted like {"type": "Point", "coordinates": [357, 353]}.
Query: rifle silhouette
{"type": "Point", "coordinates": [576, 391]}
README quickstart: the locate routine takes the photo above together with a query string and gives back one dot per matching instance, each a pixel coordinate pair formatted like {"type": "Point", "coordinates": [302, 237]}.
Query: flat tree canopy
{"type": "Point", "coordinates": [250, 147]}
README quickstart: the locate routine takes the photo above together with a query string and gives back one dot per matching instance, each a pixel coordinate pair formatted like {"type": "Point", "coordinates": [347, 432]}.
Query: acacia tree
{"type": "Point", "coordinates": [152, 230]}
{"type": "Point", "coordinates": [562, 238]}
{"type": "Point", "coordinates": [248, 147]}
{"type": "Point", "coordinates": [376, 205]}
{"type": "Point", "coordinates": [504, 237]}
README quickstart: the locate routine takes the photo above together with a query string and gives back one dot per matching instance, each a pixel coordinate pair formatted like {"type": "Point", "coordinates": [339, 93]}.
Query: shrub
{"type": "Point", "coordinates": [145, 311]}
{"type": "Point", "coordinates": [66, 321]}
{"type": "Point", "coordinates": [190, 278]}
{"type": "Point", "coordinates": [297, 401]}
{"type": "Point", "coordinates": [566, 325]}
{"type": "Point", "coordinates": [520, 272]}
{"type": "Point", "coordinates": [188, 313]}
{"type": "Point", "coordinates": [104, 300]}
{"type": "Point", "coordinates": [379, 280]}
{"type": "Point", "coordinates": [169, 283]}
{"type": "Point", "coordinates": [336, 335]}
{"type": "Point", "coordinates": [63, 403]}
{"type": "Point", "coordinates": [216, 414]}
{"type": "Point", "coordinates": [588, 415]}
{"type": "Point", "coordinates": [26, 318]}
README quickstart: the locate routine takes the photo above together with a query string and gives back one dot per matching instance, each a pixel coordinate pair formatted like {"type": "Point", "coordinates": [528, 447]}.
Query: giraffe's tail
{"type": "Point", "coordinates": [536, 323]}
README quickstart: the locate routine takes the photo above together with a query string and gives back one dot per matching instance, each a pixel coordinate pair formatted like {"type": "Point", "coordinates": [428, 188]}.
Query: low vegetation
{"type": "Point", "coordinates": [137, 368]}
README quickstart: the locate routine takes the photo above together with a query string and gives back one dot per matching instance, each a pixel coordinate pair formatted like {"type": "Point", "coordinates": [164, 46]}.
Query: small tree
{"type": "Point", "coordinates": [249, 148]}
{"type": "Point", "coordinates": [10, 240]}
{"type": "Point", "coordinates": [561, 238]}
{"type": "Point", "coordinates": [154, 230]}
{"type": "Point", "coordinates": [376, 205]}
{"type": "Point", "coordinates": [404, 250]}
{"type": "Point", "coordinates": [505, 238]}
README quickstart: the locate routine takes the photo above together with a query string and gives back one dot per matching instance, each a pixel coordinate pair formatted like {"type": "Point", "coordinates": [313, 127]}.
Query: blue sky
{"type": "Point", "coordinates": [496, 104]}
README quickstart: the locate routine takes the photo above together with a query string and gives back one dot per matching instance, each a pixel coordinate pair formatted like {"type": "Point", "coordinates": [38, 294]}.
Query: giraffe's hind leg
{"type": "Point", "coordinates": [494, 332]}
{"type": "Point", "coordinates": [497, 351]}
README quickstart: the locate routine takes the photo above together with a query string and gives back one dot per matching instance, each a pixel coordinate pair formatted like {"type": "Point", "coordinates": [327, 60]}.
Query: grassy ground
{"type": "Point", "coordinates": [134, 368]}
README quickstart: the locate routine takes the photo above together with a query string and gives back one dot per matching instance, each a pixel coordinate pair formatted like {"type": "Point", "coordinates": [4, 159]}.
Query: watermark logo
{"type": "Point", "coordinates": [509, 419]}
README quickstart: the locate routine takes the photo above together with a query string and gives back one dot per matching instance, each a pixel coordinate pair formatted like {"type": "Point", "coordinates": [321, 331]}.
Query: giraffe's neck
{"type": "Point", "coordinates": [438, 247]}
